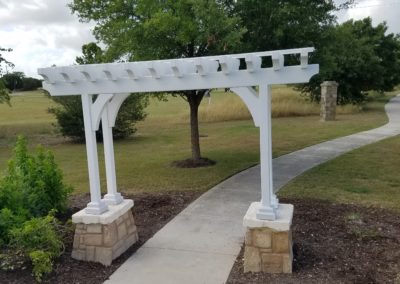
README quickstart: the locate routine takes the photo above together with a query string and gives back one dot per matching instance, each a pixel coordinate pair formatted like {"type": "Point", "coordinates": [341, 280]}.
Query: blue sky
{"type": "Point", "coordinates": [43, 32]}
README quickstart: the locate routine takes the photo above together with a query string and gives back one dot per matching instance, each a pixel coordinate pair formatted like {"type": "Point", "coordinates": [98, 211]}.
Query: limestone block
{"type": "Point", "coordinates": [261, 238]}
{"type": "Point", "coordinates": [287, 263]}
{"type": "Point", "coordinates": [110, 234]}
{"type": "Point", "coordinates": [131, 229]}
{"type": "Point", "coordinates": [281, 242]}
{"type": "Point", "coordinates": [93, 239]}
{"type": "Point", "coordinates": [104, 255]}
{"type": "Point", "coordinates": [122, 232]}
{"type": "Point", "coordinates": [78, 254]}
{"type": "Point", "coordinates": [90, 253]}
{"type": "Point", "coordinates": [272, 262]}
{"type": "Point", "coordinates": [252, 259]}
{"type": "Point", "coordinates": [248, 240]}
{"type": "Point", "coordinates": [94, 228]}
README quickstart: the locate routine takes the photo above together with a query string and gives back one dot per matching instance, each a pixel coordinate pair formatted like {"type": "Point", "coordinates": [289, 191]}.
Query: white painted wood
{"type": "Point", "coordinates": [97, 109]}
{"type": "Point", "coordinates": [113, 197]}
{"type": "Point", "coordinates": [113, 107]}
{"type": "Point", "coordinates": [189, 81]}
{"type": "Point", "coordinates": [266, 210]}
{"type": "Point", "coordinates": [251, 100]}
{"type": "Point", "coordinates": [96, 206]}
{"type": "Point", "coordinates": [115, 81]}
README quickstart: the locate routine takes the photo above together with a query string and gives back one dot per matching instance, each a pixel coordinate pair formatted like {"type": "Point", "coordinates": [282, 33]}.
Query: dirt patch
{"type": "Point", "coordinates": [190, 163]}
{"type": "Point", "coordinates": [336, 243]}
{"type": "Point", "coordinates": [151, 211]}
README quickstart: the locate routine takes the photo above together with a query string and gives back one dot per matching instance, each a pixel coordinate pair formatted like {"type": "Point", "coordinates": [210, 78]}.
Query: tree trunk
{"type": "Point", "coordinates": [194, 98]}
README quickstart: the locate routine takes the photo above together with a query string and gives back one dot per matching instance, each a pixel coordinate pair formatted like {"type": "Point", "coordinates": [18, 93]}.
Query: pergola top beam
{"type": "Point", "coordinates": [177, 74]}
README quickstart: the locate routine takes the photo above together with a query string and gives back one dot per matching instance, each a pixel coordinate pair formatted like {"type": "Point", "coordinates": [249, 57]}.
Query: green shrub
{"type": "Point", "coordinates": [31, 192]}
{"type": "Point", "coordinates": [42, 264]}
{"type": "Point", "coordinates": [38, 234]}
{"type": "Point", "coordinates": [33, 184]}
{"type": "Point", "coordinates": [69, 116]}
{"type": "Point", "coordinates": [39, 240]}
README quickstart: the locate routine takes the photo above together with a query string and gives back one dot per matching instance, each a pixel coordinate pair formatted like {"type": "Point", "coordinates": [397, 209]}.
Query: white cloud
{"type": "Point", "coordinates": [378, 10]}
{"type": "Point", "coordinates": [41, 33]}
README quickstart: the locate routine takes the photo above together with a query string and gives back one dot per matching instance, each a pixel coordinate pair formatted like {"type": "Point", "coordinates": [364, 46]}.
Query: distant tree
{"type": "Point", "coordinates": [152, 29]}
{"type": "Point", "coordinates": [18, 81]}
{"type": "Point", "coordinates": [13, 80]}
{"type": "Point", "coordinates": [30, 84]}
{"type": "Point", "coordinates": [4, 96]}
{"type": "Point", "coordinates": [360, 57]}
{"type": "Point", "coordinates": [68, 111]}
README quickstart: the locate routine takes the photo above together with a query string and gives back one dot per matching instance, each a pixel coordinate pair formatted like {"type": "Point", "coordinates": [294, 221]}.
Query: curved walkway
{"type": "Point", "coordinates": [200, 244]}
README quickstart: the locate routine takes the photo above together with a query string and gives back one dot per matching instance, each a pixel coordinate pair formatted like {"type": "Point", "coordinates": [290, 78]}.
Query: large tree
{"type": "Point", "coordinates": [282, 24]}
{"type": "Point", "coordinates": [152, 29]}
{"type": "Point", "coordinates": [360, 57]}
{"type": "Point", "coordinates": [4, 97]}
{"type": "Point", "coordinates": [69, 114]}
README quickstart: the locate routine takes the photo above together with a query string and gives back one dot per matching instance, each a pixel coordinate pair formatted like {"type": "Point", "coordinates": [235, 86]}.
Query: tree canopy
{"type": "Point", "coordinates": [284, 24]}
{"type": "Point", "coordinates": [360, 57]}
{"type": "Point", "coordinates": [356, 54]}
{"type": "Point", "coordinates": [152, 29]}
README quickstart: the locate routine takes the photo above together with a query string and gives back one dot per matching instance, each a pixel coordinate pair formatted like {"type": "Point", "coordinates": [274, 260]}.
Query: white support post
{"type": "Point", "coordinates": [267, 210]}
{"type": "Point", "coordinates": [274, 200]}
{"type": "Point", "coordinates": [113, 197]}
{"type": "Point", "coordinates": [96, 206]}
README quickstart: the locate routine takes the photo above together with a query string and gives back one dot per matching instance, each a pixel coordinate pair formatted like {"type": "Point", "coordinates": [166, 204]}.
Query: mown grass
{"type": "Point", "coordinates": [367, 176]}
{"type": "Point", "coordinates": [143, 162]}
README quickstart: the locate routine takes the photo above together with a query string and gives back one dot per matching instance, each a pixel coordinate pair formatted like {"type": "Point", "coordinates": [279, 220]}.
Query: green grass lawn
{"type": "Point", "coordinates": [143, 162]}
{"type": "Point", "coordinates": [368, 176]}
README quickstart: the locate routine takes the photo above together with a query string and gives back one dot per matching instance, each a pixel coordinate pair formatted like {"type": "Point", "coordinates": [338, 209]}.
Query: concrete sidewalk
{"type": "Point", "coordinates": [201, 244]}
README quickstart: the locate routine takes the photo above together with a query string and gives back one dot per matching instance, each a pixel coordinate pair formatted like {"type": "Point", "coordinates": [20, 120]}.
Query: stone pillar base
{"type": "Point", "coordinates": [102, 238]}
{"type": "Point", "coordinates": [268, 244]}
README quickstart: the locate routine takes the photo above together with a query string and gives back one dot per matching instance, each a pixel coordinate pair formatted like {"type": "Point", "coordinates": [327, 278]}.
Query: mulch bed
{"type": "Point", "coordinates": [337, 243]}
{"type": "Point", "coordinates": [333, 243]}
{"type": "Point", "coordinates": [151, 211]}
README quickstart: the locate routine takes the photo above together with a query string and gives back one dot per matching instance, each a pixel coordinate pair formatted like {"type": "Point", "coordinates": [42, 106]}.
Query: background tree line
{"type": "Point", "coordinates": [17, 81]}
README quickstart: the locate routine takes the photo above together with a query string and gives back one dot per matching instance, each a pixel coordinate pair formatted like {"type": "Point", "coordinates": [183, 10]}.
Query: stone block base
{"type": "Point", "coordinates": [102, 238]}
{"type": "Point", "coordinates": [268, 244]}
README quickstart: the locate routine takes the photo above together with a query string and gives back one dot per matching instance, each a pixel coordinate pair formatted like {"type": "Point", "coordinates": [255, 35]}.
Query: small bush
{"type": "Point", "coordinates": [40, 241]}
{"type": "Point", "coordinates": [69, 115]}
{"type": "Point", "coordinates": [33, 184]}
{"type": "Point", "coordinates": [38, 234]}
{"type": "Point", "coordinates": [30, 193]}
{"type": "Point", "coordinates": [42, 264]}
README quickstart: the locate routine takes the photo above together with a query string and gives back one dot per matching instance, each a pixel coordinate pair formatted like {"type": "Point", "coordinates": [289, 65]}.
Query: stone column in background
{"type": "Point", "coordinates": [328, 100]}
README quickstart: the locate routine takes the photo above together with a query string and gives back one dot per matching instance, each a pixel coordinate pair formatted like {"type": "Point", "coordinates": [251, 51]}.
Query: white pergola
{"type": "Point", "coordinates": [114, 82]}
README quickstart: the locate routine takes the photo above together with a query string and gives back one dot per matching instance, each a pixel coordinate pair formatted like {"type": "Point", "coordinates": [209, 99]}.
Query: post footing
{"type": "Point", "coordinates": [102, 238]}
{"type": "Point", "coordinates": [268, 244]}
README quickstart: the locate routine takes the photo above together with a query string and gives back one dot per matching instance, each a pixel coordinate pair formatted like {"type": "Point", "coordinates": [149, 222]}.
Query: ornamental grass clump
{"type": "Point", "coordinates": [31, 193]}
